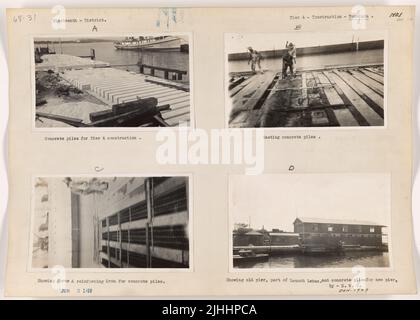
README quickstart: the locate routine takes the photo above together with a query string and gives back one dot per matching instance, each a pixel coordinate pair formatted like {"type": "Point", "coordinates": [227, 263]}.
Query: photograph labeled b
{"type": "Point", "coordinates": [111, 222]}
{"type": "Point", "coordinates": [133, 81]}
{"type": "Point", "coordinates": [310, 221]}
{"type": "Point", "coordinates": [305, 79]}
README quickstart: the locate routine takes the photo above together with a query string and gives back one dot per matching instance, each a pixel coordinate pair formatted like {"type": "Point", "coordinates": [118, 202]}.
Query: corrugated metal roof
{"type": "Point", "coordinates": [338, 221]}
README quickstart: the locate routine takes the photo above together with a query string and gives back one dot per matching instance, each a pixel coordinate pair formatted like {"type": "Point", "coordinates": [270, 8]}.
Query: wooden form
{"type": "Point", "coordinates": [342, 96]}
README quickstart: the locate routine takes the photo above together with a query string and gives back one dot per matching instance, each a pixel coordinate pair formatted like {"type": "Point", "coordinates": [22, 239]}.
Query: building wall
{"type": "Point", "coordinates": [334, 234]}
{"type": "Point", "coordinates": [246, 240]}
{"type": "Point", "coordinates": [141, 231]}
{"type": "Point", "coordinates": [284, 239]}
{"type": "Point", "coordinates": [59, 226]}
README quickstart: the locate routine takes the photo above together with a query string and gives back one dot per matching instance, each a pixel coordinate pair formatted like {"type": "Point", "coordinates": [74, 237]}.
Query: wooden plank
{"type": "Point", "coordinates": [369, 82]}
{"type": "Point", "coordinates": [323, 118]}
{"type": "Point", "coordinates": [304, 91]}
{"type": "Point", "coordinates": [321, 87]}
{"type": "Point", "coordinates": [374, 76]}
{"type": "Point", "coordinates": [327, 116]}
{"type": "Point", "coordinates": [253, 119]}
{"type": "Point", "coordinates": [313, 98]}
{"type": "Point", "coordinates": [332, 67]}
{"type": "Point", "coordinates": [353, 110]}
{"type": "Point", "coordinates": [376, 70]}
{"type": "Point", "coordinates": [235, 83]}
{"type": "Point", "coordinates": [331, 94]}
{"type": "Point", "coordinates": [362, 107]}
{"type": "Point", "coordinates": [69, 120]}
{"type": "Point", "coordinates": [345, 118]}
{"type": "Point", "coordinates": [370, 97]}
{"type": "Point", "coordinates": [273, 110]}
{"type": "Point", "coordinates": [250, 97]}
{"type": "Point", "coordinates": [362, 89]}
{"type": "Point", "coordinates": [238, 88]}
{"type": "Point", "coordinates": [332, 119]}
{"type": "Point", "coordinates": [239, 119]}
{"type": "Point", "coordinates": [174, 113]}
{"type": "Point", "coordinates": [264, 84]}
{"type": "Point", "coordinates": [245, 94]}
{"type": "Point", "coordinates": [177, 120]}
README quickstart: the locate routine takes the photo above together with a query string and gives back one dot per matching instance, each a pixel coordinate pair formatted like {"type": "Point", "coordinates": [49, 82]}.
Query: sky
{"type": "Point", "coordinates": [268, 41]}
{"type": "Point", "coordinates": [113, 38]}
{"type": "Point", "coordinates": [275, 200]}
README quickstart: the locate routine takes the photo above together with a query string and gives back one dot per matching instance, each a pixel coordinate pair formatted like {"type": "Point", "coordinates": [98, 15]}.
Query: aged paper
{"type": "Point", "coordinates": [210, 151]}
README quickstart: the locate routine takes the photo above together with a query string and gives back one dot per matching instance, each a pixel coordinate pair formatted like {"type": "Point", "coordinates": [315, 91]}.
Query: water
{"type": "Point", "coordinates": [347, 260]}
{"type": "Point", "coordinates": [106, 52]}
{"type": "Point", "coordinates": [316, 61]}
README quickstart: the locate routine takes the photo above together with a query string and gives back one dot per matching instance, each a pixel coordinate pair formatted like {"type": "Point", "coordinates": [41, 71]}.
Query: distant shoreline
{"type": "Point", "coordinates": [334, 48]}
{"type": "Point", "coordinates": [74, 41]}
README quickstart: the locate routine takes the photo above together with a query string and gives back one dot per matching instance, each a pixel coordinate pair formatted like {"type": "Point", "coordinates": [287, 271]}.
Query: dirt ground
{"type": "Point", "coordinates": [56, 96]}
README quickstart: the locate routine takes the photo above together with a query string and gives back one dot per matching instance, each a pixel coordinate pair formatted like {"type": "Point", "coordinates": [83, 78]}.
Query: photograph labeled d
{"type": "Point", "coordinates": [310, 221]}
{"type": "Point", "coordinates": [111, 222]}
{"type": "Point", "coordinates": [305, 79]}
{"type": "Point", "coordinates": [133, 81]}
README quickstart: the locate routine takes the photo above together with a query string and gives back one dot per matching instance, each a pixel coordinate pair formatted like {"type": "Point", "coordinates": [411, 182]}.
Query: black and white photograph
{"type": "Point", "coordinates": [305, 79]}
{"type": "Point", "coordinates": [111, 222]}
{"type": "Point", "coordinates": [281, 221]}
{"type": "Point", "coordinates": [131, 81]}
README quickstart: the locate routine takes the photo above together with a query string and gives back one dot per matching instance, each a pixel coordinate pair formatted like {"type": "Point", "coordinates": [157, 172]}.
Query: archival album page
{"type": "Point", "coordinates": [210, 151]}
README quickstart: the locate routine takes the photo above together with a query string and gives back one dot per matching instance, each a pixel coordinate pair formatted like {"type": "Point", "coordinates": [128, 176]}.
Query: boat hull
{"type": "Point", "coordinates": [162, 45]}
{"type": "Point", "coordinates": [237, 259]}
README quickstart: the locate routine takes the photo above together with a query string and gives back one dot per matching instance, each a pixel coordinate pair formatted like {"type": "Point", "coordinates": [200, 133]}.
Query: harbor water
{"type": "Point", "coordinates": [316, 61]}
{"type": "Point", "coordinates": [106, 52]}
{"type": "Point", "coordinates": [347, 260]}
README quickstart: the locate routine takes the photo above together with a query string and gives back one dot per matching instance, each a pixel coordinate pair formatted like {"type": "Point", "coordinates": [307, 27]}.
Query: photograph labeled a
{"type": "Point", "coordinates": [310, 221]}
{"type": "Point", "coordinates": [111, 222]}
{"type": "Point", "coordinates": [133, 81]}
{"type": "Point", "coordinates": [305, 79]}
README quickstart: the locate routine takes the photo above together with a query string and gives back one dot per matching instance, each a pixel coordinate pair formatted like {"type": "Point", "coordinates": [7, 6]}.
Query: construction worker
{"type": "Point", "coordinates": [255, 59]}
{"type": "Point", "coordinates": [291, 49]}
{"type": "Point", "coordinates": [289, 60]}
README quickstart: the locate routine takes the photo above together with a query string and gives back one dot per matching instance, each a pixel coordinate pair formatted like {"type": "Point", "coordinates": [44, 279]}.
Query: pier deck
{"type": "Point", "coordinates": [335, 96]}
{"type": "Point", "coordinates": [115, 86]}
{"type": "Point", "coordinates": [59, 62]}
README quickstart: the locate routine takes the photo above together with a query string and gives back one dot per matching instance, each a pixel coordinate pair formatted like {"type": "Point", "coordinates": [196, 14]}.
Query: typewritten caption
{"type": "Point", "coordinates": [338, 285]}
{"type": "Point", "coordinates": [90, 138]}
{"type": "Point", "coordinates": [86, 286]}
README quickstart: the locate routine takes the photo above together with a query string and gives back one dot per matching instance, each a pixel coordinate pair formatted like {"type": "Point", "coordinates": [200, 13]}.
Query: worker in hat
{"type": "Point", "coordinates": [254, 59]}
{"type": "Point", "coordinates": [289, 60]}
